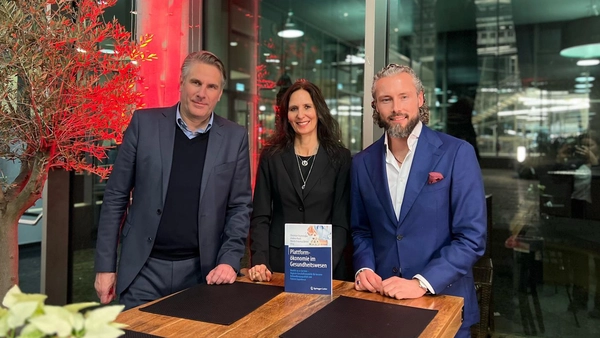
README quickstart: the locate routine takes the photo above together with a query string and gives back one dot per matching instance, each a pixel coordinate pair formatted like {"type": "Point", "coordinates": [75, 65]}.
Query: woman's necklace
{"type": "Point", "coordinates": [304, 163]}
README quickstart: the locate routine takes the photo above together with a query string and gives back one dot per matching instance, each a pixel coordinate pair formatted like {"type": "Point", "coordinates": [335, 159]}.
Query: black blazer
{"type": "Point", "coordinates": [279, 199]}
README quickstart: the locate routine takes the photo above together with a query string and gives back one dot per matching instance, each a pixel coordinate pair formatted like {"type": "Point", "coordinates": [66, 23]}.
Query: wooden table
{"type": "Point", "coordinates": [288, 309]}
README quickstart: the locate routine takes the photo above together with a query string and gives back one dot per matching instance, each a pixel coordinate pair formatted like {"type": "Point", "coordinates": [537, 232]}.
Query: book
{"type": "Point", "coordinates": [308, 264]}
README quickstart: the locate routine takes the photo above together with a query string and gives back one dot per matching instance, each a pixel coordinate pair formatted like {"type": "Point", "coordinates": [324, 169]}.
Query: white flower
{"type": "Point", "coordinates": [27, 315]}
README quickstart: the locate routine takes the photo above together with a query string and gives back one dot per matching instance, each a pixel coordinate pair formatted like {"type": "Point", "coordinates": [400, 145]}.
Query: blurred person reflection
{"type": "Point", "coordinates": [582, 157]}
{"type": "Point", "coordinates": [459, 122]}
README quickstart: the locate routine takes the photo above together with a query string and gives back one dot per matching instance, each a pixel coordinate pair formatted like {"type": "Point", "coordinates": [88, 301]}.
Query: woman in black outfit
{"type": "Point", "coordinates": [303, 177]}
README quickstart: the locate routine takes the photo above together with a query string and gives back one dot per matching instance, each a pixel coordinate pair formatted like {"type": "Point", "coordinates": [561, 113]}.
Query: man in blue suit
{"type": "Point", "coordinates": [418, 203]}
{"type": "Point", "coordinates": [189, 175]}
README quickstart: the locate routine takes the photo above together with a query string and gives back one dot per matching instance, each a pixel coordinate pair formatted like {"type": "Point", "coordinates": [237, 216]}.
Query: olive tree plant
{"type": "Point", "coordinates": [61, 96]}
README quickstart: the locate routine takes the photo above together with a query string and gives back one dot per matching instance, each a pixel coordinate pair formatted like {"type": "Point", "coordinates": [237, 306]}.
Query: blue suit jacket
{"type": "Point", "coordinates": [143, 165]}
{"type": "Point", "coordinates": [441, 230]}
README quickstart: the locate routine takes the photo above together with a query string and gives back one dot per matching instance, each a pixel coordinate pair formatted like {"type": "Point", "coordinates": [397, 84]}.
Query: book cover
{"type": "Point", "coordinates": [308, 258]}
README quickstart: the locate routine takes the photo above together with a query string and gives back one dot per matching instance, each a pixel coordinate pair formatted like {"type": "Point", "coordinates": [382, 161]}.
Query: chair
{"type": "Point", "coordinates": [483, 276]}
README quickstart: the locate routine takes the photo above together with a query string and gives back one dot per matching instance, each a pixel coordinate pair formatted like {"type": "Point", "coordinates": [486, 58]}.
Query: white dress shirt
{"type": "Point", "coordinates": [397, 174]}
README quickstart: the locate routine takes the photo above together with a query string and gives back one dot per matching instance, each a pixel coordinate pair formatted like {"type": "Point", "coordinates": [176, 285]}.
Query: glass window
{"type": "Point", "coordinates": [263, 63]}
{"type": "Point", "coordinates": [511, 78]}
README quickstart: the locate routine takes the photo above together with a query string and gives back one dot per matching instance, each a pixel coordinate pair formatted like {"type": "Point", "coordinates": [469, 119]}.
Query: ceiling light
{"type": "Point", "coordinates": [581, 91]}
{"type": "Point", "coordinates": [577, 44]}
{"type": "Point", "coordinates": [353, 59]}
{"type": "Point", "coordinates": [585, 79]}
{"type": "Point", "coordinates": [521, 154]}
{"type": "Point", "coordinates": [588, 62]}
{"type": "Point", "coordinates": [233, 43]}
{"type": "Point", "coordinates": [583, 85]}
{"type": "Point", "coordinates": [290, 30]}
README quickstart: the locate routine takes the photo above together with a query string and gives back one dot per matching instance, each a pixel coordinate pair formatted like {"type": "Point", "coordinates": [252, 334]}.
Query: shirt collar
{"type": "Point", "coordinates": [181, 123]}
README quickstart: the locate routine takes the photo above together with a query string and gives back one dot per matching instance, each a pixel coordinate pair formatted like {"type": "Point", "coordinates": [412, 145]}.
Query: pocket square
{"type": "Point", "coordinates": [434, 177]}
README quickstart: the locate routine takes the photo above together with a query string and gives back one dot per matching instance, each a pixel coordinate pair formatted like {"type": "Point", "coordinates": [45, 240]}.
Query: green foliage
{"type": "Point", "coordinates": [26, 315]}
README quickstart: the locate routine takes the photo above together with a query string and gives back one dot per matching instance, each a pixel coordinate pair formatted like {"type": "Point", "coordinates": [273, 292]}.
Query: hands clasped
{"type": "Point", "coordinates": [394, 287]}
{"type": "Point", "coordinates": [259, 273]}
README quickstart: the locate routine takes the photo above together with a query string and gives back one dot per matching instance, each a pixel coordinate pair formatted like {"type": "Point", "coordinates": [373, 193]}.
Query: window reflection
{"type": "Point", "coordinates": [502, 75]}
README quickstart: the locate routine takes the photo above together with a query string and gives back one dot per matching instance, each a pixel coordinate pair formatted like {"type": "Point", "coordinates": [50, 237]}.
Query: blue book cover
{"type": "Point", "coordinates": [308, 258]}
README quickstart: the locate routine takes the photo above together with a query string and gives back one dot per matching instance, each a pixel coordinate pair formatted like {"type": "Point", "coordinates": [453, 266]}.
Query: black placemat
{"type": "Point", "coordinates": [218, 304]}
{"type": "Point", "coordinates": [353, 317]}
{"type": "Point", "coordinates": [135, 334]}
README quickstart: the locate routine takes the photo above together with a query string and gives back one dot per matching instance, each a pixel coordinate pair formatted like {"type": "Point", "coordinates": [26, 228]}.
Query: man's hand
{"type": "Point", "coordinates": [221, 274]}
{"type": "Point", "coordinates": [401, 288]}
{"type": "Point", "coordinates": [368, 280]}
{"type": "Point", "coordinates": [105, 286]}
{"type": "Point", "coordinates": [259, 273]}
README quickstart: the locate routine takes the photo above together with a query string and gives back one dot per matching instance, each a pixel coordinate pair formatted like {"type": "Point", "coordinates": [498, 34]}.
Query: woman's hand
{"type": "Point", "coordinates": [260, 273]}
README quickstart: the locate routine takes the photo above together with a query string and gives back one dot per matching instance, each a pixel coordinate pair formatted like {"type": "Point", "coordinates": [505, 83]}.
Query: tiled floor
{"type": "Point", "coordinates": [541, 308]}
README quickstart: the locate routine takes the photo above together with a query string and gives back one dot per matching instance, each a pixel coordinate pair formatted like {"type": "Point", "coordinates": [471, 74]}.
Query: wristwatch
{"type": "Point", "coordinates": [422, 285]}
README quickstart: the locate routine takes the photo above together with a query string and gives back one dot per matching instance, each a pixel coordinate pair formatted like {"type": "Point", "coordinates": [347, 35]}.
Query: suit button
{"type": "Point", "coordinates": [149, 239]}
{"type": "Point", "coordinates": [399, 237]}
{"type": "Point", "coordinates": [301, 209]}
{"type": "Point", "coordinates": [158, 212]}
{"type": "Point", "coordinates": [395, 270]}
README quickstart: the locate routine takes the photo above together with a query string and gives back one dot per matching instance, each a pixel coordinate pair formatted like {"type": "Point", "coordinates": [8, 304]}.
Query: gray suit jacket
{"type": "Point", "coordinates": [144, 163]}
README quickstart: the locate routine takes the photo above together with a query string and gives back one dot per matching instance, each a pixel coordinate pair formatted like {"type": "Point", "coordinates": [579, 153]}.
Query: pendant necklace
{"type": "Point", "coordinates": [304, 163]}
{"type": "Point", "coordinates": [397, 160]}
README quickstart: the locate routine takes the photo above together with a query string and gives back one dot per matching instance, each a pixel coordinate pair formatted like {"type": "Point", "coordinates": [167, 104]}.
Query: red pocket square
{"type": "Point", "coordinates": [434, 177]}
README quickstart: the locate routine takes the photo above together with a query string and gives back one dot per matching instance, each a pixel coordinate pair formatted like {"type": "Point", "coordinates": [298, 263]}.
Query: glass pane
{"type": "Point", "coordinates": [87, 193]}
{"type": "Point", "coordinates": [503, 75]}
{"type": "Point", "coordinates": [330, 53]}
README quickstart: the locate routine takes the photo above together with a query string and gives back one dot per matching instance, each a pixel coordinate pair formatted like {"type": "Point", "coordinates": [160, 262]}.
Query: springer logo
{"type": "Point", "coordinates": [314, 288]}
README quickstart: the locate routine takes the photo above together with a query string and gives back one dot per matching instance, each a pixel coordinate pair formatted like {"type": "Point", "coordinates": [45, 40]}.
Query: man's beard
{"type": "Point", "coordinates": [396, 130]}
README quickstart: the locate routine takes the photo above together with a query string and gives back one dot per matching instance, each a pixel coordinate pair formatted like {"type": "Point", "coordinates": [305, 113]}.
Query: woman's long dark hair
{"type": "Point", "coordinates": [328, 129]}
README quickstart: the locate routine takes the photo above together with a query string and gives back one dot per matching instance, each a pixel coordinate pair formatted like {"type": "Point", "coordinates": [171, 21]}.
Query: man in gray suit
{"type": "Point", "coordinates": [188, 170]}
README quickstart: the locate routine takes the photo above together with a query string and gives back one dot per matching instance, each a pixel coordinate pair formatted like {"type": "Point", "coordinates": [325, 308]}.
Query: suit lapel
{"type": "Point", "coordinates": [378, 176]}
{"type": "Point", "coordinates": [426, 157]}
{"type": "Point", "coordinates": [321, 162]}
{"type": "Point", "coordinates": [288, 157]}
{"type": "Point", "coordinates": [166, 134]}
{"type": "Point", "coordinates": [215, 142]}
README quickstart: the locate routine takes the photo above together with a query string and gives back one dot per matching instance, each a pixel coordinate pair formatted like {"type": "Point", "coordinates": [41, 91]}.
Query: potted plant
{"type": "Point", "coordinates": [26, 315]}
{"type": "Point", "coordinates": [61, 95]}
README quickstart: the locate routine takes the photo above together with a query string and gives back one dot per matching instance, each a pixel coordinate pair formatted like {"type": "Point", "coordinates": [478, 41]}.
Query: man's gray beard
{"type": "Point", "coordinates": [398, 131]}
